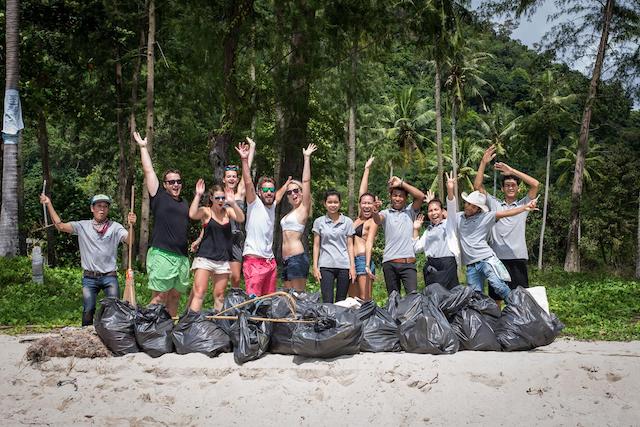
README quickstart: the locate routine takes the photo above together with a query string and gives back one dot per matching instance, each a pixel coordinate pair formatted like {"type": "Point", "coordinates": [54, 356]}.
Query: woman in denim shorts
{"type": "Point", "coordinates": [295, 264]}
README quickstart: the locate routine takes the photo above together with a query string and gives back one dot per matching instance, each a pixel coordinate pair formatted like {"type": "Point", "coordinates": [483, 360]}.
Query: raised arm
{"type": "Point", "coordinates": [234, 211]}
{"type": "Point", "coordinates": [531, 206]}
{"type": "Point", "coordinates": [252, 152]}
{"type": "Point", "coordinates": [306, 178]}
{"type": "Point", "coordinates": [489, 154]}
{"type": "Point", "coordinates": [147, 166]}
{"type": "Point", "coordinates": [532, 183]}
{"type": "Point", "coordinates": [195, 211]}
{"type": "Point", "coordinates": [60, 226]}
{"type": "Point", "coordinates": [418, 196]}
{"type": "Point", "coordinates": [418, 242]}
{"type": "Point", "coordinates": [249, 192]}
{"type": "Point", "coordinates": [282, 190]}
{"type": "Point", "coordinates": [364, 182]}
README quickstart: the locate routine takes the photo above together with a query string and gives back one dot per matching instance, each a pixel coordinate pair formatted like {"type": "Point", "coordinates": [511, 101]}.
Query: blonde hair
{"type": "Point", "coordinates": [299, 184]}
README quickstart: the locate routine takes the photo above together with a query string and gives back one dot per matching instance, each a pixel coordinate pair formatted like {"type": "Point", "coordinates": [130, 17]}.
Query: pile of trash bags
{"type": "Point", "coordinates": [435, 321]}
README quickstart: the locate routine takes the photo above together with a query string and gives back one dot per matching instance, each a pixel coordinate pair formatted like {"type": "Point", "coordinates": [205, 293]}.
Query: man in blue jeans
{"type": "Point", "coordinates": [474, 225]}
{"type": "Point", "coordinates": [98, 239]}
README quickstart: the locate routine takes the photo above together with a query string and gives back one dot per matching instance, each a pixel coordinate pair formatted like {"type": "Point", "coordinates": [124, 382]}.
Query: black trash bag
{"type": "Point", "coordinates": [337, 331]}
{"type": "Point", "coordinates": [115, 327]}
{"type": "Point", "coordinates": [153, 326]}
{"type": "Point", "coordinates": [379, 329]}
{"type": "Point", "coordinates": [304, 302]}
{"type": "Point", "coordinates": [282, 333]}
{"type": "Point", "coordinates": [234, 297]}
{"type": "Point", "coordinates": [474, 331]}
{"type": "Point", "coordinates": [428, 331]}
{"type": "Point", "coordinates": [194, 333]}
{"type": "Point", "coordinates": [451, 301]}
{"type": "Point", "coordinates": [485, 305]}
{"type": "Point", "coordinates": [402, 309]}
{"type": "Point", "coordinates": [250, 339]}
{"type": "Point", "coordinates": [524, 325]}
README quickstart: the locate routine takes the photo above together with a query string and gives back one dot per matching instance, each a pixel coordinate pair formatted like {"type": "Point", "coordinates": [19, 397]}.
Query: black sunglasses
{"type": "Point", "coordinates": [293, 191]}
{"type": "Point", "coordinates": [174, 181]}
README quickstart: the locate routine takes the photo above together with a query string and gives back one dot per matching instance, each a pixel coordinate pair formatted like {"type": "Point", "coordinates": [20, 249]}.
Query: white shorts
{"type": "Point", "coordinates": [216, 267]}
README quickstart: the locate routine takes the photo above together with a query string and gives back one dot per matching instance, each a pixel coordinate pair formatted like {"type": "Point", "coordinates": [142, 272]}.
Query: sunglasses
{"type": "Point", "coordinates": [293, 191]}
{"type": "Point", "coordinates": [268, 190]}
{"type": "Point", "coordinates": [218, 198]}
{"type": "Point", "coordinates": [174, 181]}
{"type": "Point", "coordinates": [231, 168]}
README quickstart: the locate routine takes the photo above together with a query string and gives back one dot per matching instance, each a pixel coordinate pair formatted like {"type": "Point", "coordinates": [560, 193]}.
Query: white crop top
{"type": "Point", "coordinates": [289, 222]}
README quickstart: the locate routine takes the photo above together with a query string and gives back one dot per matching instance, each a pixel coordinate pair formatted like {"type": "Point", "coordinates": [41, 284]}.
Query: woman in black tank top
{"type": "Point", "coordinates": [214, 253]}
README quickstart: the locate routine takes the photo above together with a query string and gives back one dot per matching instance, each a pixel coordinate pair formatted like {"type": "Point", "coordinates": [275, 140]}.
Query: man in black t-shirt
{"type": "Point", "coordinates": [167, 261]}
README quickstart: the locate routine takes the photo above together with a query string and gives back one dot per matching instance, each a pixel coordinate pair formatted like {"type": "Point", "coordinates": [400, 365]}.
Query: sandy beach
{"type": "Point", "coordinates": [568, 383]}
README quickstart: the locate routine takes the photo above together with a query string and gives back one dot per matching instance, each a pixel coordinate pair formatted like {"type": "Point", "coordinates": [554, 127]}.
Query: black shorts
{"type": "Point", "coordinates": [237, 246]}
{"type": "Point", "coordinates": [442, 270]}
{"type": "Point", "coordinates": [519, 273]}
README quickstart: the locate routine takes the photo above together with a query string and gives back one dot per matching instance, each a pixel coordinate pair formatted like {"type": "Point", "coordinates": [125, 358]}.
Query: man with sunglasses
{"type": "Point", "coordinates": [508, 234]}
{"type": "Point", "coordinates": [259, 265]}
{"type": "Point", "coordinates": [167, 257]}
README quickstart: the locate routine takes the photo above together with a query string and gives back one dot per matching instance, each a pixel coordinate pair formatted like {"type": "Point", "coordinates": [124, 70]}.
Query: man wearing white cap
{"type": "Point", "coordinates": [98, 239]}
{"type": "Point", "coordinates": [474, 225]}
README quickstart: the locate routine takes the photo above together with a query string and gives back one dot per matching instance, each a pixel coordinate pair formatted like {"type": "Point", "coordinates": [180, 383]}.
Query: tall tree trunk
{"type": "Point", "coordinates": [9, 242]}
{"type": "Point", "coordinates": [638, 248]}
{"type": "Point", "coordinates": [149, 133]}
{"type": "Point", "coordinates": [43, 143]}
{"type": "Point", "coordinates": [351, 126]}
{"type": "Point", "coordinates": [546, 201]}
{"type": "Point", "coordinates": [439, 154]}
{"type": "Point", "coordinates": [572, 259]}
{"type": "Point", "coordinates": [125, 178]}
{"type": "Point", "coordinates": [454, 147]}
{"type": "Point", "coordinates": [221, 142]}
{"type": "Point", "coordinates": [133, 100]}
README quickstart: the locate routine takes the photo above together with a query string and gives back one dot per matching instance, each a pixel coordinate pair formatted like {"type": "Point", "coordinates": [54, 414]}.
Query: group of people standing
{"type": "Point", "coordinates": [236, 240]}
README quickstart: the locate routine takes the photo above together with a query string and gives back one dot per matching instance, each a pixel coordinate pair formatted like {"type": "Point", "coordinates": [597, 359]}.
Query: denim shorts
{"type": "Point", "coordinates": [360, 261]}
{"type": "Point", "coordinates": [295, 267]}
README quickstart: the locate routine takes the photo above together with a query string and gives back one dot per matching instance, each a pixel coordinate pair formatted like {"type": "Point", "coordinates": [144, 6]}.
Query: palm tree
{"type": "Point", "coordinates": [406, 123]}
{"type": "Point", "coordinates": [566, 161]}
{"type": "Point", "coordinates": [11, 135]}
{"type": "Point", "coordinates": [550, 113]}
{"type": "Point", "coordinates": [499, 128]}
{"type": "Point", "coordinates": [469, 154]}
{"type": "Point", "coordinates": [463, 81]}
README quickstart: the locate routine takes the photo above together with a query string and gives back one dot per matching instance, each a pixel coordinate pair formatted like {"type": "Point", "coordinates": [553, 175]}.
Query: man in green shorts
{"type": "Point", "coordinates": [167, 260]}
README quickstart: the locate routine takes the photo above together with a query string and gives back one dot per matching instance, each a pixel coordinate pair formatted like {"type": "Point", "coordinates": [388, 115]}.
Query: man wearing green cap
{"type": "Point", "coordinates": [98, 239]}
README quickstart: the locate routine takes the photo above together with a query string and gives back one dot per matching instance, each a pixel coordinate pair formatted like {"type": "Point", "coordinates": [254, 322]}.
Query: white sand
{"type": "Point", "coordinates": [570, 383]}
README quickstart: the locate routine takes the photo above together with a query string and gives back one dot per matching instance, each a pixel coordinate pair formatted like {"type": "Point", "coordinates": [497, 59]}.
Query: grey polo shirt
{"type": "Point", "coordinates": [434, 241]}
{"type": "Point", "coordinates": [333, 241]}
{"type": "Point", "coordinates": [508, 239]}
{"type": "Point", "coordinates": [398, 233]}
{"type": "Point", "coordinates": [98, 253]}
{"type": "Point", "coordinates": [473, 233]}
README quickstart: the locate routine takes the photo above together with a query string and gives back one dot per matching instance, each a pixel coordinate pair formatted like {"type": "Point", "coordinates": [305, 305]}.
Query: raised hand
{"type": "Point", "coordinates": [377, 204]}
{"type": "Point", "coordinates": [230, 196]}
{"type": "Point", "coordinates": [243, 150]}
{"type": "Point", "coordinates": [394, 181]}
{"type": "Point", "coordinates": [429, 196]}
{"type": "Point", "coordinates": [200, 187]}
{"type": "Point", "coordinates": [504, 168]}
{"type": "Point", "coordinates": [369, 162]}
{"type": "Point", "coordinates": [489, 154]}
{"type": "Point", "coordinates": [250, 141]}
{"type": "Point", "coordinates": [141, 142]}
{"type": "Point", "coordinates": [307, 152]}
{"type": "Point", "coordinates": [451, 182]}
{"type": "Point", "coordinates": [417, 223]}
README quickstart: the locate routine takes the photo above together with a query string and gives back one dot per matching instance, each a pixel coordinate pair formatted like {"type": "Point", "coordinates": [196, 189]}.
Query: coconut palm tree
{"type": "Point", "coordinates": [11, 136]}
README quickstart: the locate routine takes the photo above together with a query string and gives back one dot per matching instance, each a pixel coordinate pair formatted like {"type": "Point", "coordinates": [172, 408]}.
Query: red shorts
{"type": "Point", "coordinates": [259, 275]}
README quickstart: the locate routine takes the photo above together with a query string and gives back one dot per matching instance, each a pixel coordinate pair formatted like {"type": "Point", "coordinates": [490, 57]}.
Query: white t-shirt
{"type": "Point", "coordinates": [259, 229]}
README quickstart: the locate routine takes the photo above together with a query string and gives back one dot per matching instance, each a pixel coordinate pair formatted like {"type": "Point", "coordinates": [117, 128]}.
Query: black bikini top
{"type": "Point", "coordinates": [359, 230]}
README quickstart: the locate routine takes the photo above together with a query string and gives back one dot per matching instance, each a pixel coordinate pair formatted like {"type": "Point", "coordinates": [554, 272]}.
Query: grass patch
{"type": "Point", "coordinates": [592, 306]}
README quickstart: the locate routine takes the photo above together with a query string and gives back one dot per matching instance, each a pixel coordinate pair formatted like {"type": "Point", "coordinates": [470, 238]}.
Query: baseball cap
{"type": "Point", "coordinates": [100, 198]}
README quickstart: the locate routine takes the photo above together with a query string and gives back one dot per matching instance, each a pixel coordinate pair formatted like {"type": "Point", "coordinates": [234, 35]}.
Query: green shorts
{"type": "Point", "coordinates": [167, 270]}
